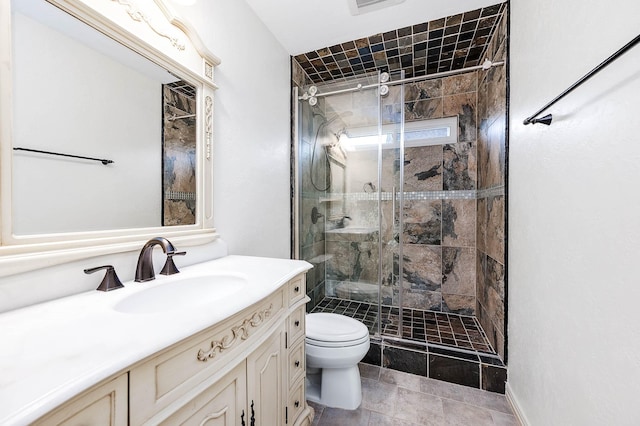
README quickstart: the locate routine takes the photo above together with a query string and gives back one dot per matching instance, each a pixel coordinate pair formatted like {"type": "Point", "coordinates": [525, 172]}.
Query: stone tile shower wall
{"type": "Point", "coordinates": [490, 288]}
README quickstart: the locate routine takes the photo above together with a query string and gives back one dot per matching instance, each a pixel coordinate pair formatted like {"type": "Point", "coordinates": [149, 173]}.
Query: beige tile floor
{"type": "Point", "coordinates": [393, 398]}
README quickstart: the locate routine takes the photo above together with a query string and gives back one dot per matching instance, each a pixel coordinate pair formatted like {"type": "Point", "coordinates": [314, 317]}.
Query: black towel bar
{"type": "Point", "coordinates": [547, 118]}
{"type": "Point", "coordinates": [102, 160]}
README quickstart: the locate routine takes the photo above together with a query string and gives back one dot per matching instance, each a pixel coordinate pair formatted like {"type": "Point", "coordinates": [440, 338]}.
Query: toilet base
{"type": "Point", "coordinates": [335, 387]}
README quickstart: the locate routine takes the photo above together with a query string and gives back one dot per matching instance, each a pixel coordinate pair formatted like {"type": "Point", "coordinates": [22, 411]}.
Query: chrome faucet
{"type": "Point", "coordinates": [144, 270]}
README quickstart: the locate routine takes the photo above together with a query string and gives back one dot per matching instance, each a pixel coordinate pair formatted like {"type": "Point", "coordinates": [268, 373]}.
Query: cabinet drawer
{"type": "Point", "coordinates": [296, 324]}
{"type": "Point", "coordinates": [296, 289]}
{"type": "Point", "coordinates": [296, 402]}
{"type": "Point", "coordinates": [296, 362]}
{"type": "Point", "coordinates": [173, 374]}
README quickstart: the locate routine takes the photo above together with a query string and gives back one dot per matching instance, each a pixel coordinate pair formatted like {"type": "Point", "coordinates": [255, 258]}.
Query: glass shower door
{"type": "Point", "coordinates": [350, 155]}
{"type": "Point", "coordinates": [338, 197]}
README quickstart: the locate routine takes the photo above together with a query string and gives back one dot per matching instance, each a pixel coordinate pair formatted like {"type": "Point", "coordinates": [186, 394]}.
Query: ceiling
{"type": "Point", "coordinates": [306, 25]}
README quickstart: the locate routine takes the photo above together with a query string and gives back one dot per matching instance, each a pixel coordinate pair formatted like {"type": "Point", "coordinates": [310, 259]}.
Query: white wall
{"type": "Point", "coordinates": [251, 128]}
{"type": "Point", "coordinates": [574, 215]}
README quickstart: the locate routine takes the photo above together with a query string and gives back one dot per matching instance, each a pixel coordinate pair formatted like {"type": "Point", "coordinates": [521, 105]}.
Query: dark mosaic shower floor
{"type": "Point", "coordinates": [440, 328]}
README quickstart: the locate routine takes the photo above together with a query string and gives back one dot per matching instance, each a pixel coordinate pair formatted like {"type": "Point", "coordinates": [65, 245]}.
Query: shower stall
{"type": "Point", "coordinates": [388, 210]}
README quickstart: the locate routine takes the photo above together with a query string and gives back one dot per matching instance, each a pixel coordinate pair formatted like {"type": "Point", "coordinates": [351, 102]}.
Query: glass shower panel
{"type": "Point", "coordinates": [338, 206]}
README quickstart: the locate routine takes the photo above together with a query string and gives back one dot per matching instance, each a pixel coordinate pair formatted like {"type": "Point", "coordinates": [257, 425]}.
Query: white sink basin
{"type": "Point", "coordinates": [181, 293]}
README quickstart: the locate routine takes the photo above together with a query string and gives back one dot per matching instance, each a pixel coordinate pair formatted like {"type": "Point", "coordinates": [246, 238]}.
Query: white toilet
{"type": "Point", "coordinates": [334, 346]}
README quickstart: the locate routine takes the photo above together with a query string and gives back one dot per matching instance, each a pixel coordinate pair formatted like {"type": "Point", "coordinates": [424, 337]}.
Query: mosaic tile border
{"type": "Point", "coordinates": [437, 195]}
{"type": "Point", "coordinates": [387, 196]}
{"type": "Point", "coordinates": [491, 192]}
{"type": "Point", "coordinates": [417, 195]}
{"type": "Point", "coordinates": [179, 195]}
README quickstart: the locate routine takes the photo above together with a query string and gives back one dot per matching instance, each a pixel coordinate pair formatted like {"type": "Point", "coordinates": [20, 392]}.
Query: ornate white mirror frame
{"type": "Point", "coordinates": [150, 28]}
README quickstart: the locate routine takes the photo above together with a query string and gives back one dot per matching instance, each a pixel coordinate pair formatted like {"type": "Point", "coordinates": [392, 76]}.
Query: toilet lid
{"type": "Point", "coordinates": [325, 329]}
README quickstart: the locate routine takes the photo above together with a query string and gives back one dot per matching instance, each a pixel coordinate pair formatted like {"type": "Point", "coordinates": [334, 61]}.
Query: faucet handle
{"type": "Point", "coordinates": [110, 280]}
{"type": "Point", "coordinates": [169, 267]}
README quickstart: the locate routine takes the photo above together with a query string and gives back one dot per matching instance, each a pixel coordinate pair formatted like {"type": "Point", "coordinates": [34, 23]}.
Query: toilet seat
{"type": "Point", "coordinates": [333, 330]}
{"type": "Point", "coordinates": [323, 344]}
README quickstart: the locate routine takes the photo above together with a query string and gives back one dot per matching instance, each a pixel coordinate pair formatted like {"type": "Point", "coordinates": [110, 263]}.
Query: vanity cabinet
{"type": "Point", "coordinates": [248, 369]}
{"type": "Point", "coordinates": [264, 343]}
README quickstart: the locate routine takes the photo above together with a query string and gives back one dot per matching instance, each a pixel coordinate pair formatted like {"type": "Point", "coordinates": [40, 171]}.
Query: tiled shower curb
{"type": "Point", "coordinates": [447, 364]}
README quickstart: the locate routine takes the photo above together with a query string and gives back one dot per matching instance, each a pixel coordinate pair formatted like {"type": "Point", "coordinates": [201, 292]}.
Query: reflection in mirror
{"type": "Point", "coordinates": [79, 92]}
{"type": "Point", "coordinates": [179, 157]}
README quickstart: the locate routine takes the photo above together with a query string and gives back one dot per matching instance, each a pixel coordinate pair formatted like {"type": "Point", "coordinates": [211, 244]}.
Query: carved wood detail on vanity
{"type": "Point", "coordinates": [240, 331]}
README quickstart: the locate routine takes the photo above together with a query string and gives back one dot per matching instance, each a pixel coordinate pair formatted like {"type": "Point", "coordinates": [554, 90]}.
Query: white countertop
{"type": "Point", "coordinates": [53, 351]}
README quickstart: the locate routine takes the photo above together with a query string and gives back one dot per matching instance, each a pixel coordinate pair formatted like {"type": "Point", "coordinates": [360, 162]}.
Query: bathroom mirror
{"type": "Point", "coordinates": [106, 129]}
{"type": "Point", "coordinates": [96, 99]}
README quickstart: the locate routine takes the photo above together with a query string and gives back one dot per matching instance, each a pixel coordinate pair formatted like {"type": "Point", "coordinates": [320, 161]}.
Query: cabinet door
{"type": "Point", "coordinates": [222, 404]}
{"type": "Point", "coordinates": [264, 382]}
{"type": "Point", "coordinates": [105, 405]}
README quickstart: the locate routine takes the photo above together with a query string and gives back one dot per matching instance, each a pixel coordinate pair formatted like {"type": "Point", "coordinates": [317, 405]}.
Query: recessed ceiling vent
{"type": "Point", "coordinates": [359, 7]}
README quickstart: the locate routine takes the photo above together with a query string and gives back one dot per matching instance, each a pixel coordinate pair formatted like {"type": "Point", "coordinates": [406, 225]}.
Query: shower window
{"type": "Point", "coordinates": [437, 131]}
